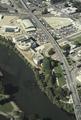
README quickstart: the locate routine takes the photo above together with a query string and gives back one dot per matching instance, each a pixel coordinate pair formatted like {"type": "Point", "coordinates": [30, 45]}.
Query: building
{"type": "Point", "coordinates": [63, 43]}
{"type": "Point", "coordinates": [1, 17]}
{"type": "Point", "coordinates": [5, 2]}
{"type": "Point", "coordinates": [10, 28]}
{"type": "Point", "coordinates": [38, 58]}
{"type": "Point", "coordinates": [24, 43]}
{"type": "Point", "coordinates": [52, 11]}
{"type": "Point", "coordinates": [69, 10]}
{"type": "Point", "coordinates": [79, 53]}
{"type": "Point", "coordinates": [27, 25]}
{"type": "Point", "coordinates": [48, 2]}
{"type": "Point", "coordinates": [20, 38]}
{"type": "Point", "coordinates": [78, 77]}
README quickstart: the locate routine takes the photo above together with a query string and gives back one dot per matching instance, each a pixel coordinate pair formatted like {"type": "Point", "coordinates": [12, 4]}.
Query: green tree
{"type": "Point", "coordinates": [77, 4]}
{"type": "Point", "coordinates": [77, 43]}
{"type": "Point", "coordinates": [45, 11]}
{"type": "Point", "coordinates": [51, 51]}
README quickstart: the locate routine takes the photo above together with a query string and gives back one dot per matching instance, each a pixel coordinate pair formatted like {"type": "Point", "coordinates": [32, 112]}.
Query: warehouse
{"type": "Point", "coordinates": [24, 43]}
{"type": "Point", "coordinates": [27, 25]}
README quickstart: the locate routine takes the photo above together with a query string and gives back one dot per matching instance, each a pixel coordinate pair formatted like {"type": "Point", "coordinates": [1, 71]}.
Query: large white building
{"type": "Point", "coordinates": [27, 24]}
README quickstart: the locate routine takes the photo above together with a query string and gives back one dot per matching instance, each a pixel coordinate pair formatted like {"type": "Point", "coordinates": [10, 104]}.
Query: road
{"type": "Point", "coordinates": [70, 78]}
{"type": "Point", "coordinates": [13, 14]}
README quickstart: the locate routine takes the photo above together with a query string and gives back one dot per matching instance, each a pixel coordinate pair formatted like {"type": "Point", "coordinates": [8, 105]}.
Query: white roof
{"type": "Point", "coordinates": [50, 9]}
{"type": "Point", "coordinates": [23, 46]}
{"type": "Point", "coordinates": [79, 77]}
{"type": "Point", "coordinates": [5, 2]}
{"type": "Point", "coordinates": [1, 16]}
{"type": "Point", "coordinates": [27, 23]}
{"type": "Point", "coordinates": [20, 38]}
{"type": "Point", "coordinates": [79, 53]}
{"type": "Point", "coordinates": [14, 27]}
{"type": "Point", "coordinates": [30, 29]}
{"type": "Point", "coordinates": [69, 10]}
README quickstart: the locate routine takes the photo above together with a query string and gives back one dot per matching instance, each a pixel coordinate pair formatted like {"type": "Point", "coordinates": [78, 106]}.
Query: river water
{"type": "Point", "coordinates": [20, 82]}
{"type": "Point", "coordinates": [3, 118]}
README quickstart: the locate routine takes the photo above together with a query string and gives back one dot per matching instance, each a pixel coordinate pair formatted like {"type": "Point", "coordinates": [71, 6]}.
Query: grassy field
{"type": "Point", "coordinates": [76, 39]}
{"type": "Point", "coordinates": [57, 22]}
{"type": "Point", "coordinates": [60, 75]}
{"type": "Point", "coordinates": [6, 107]}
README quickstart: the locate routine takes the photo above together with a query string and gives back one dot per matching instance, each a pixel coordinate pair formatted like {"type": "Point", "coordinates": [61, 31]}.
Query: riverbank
{"type": "Point", "coordinates": [55, 93]}
{"type": "Point", "coordinates": [29, 89]}
{"type": "Point", "coordinates": [7, 107]}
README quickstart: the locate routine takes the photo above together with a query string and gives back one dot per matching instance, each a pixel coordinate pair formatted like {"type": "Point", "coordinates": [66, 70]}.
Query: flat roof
{"type": "Point", "coordinates": [27, 23]}
{"type": "Point", "coordinates": [8, 26]}
{"type": "Point", "coordinates": [1, 16]}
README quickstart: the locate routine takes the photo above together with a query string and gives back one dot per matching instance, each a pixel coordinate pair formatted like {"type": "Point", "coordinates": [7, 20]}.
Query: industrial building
{"type": "Point", "coordinates": [24, 43]}
{"type": "Point", "coordinates": [27, 25]}
{"type": "Point", "coordinates": [10, 28]}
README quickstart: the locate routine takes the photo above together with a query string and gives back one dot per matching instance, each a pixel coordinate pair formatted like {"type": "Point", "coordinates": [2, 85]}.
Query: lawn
{"type": "Point", "coordinates": [60, 75]}
{"type": "Point", "coordinates": [6, 107]}
{"type": "Point", "coordinates": [76, 39]}
{"type": "Point", "coordinates": [57, 22]}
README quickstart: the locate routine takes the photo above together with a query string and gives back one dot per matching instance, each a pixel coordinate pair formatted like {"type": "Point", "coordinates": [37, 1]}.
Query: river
{"type": "Point", "coordinates": [20, 82]}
